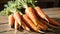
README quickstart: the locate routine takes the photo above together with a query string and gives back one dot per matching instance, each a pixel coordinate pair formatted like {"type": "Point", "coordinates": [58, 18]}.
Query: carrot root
{"type": "Point", "coordinates": [31, 14]}
{"type": "Point", "coordinates": [16, 25]}
{"type": "Point", "coordinates": [11, 20]}
{"type": "Point", "coordinates": [30, 23]}
{"type": "Point", "coordinates": [50, 29]}
{"type": "Point", "coordinates": [52, 21]}
{"type": "Point", "coordinates": [41, 31]}
{"type": "Point", "coordinates": [17, 17]}
{"type": "Point", "coordinates": [24, 26]}
{"type": "Point", "coordinates": [39, 11]}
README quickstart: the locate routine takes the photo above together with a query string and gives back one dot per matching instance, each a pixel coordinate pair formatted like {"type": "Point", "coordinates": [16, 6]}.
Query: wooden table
{"type": "Point", "coordinates": [52, 12]}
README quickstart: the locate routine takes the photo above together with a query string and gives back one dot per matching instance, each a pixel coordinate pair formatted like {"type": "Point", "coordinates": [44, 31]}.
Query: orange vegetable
{"type": "Point", "coordinates": [31, 14]}
{"type": "Point", "coordinates": [11, 20]}
{"type": "Point", "coordinates": [31, 24]}
{"type": "Point", "coordinates": [40, 13]}
{"type": "Point", "coordinates": [47, 23]}
{"type": "Point", "coordinates": [42, 25]}
{"type": "Point", "coordinates": [24, 26]}
{"type": "Point", "coordinates": [52, 21]}
{"type": "Point", "coordinates": [17, 17]}
{"type": "Point", "coordinates": [16, 25]}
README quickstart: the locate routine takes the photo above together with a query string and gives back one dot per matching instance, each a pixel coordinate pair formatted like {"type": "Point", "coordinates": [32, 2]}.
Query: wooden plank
{"type": "Point", "coordinates": [4, 29]}
{"type": "Point", "coordinates": [24, 32]}
{"type": "Point", "coordinates": [3, 19]}
{"type": "Point", "coordinates": [54, 16]}
{"type": "Point", "coordinates": [12, 32]}
{"type": "Point", "coordinates": [49, 11]}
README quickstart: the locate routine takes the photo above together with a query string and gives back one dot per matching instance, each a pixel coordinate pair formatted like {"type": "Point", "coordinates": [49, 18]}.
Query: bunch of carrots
{"type": "Point", "coordinates": [33, 18]}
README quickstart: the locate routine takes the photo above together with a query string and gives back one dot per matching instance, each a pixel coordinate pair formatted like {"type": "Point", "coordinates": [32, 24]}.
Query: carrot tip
{"type": "Point", "coordinates": [52, 26]}
{"type": "Point", "coordinates": [50, 29]}
{"type": "Point", "coordinates": [41, 31]}
{"type": "Point", "coordinates": [46, 19]}
{"type": "Point", "coordinates": [27, 29]}
{"type": "Point", "coordinates": [57, 27]}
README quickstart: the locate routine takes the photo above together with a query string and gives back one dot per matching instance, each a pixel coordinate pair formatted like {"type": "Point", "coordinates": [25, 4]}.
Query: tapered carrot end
{"type": "Point", "coordinates": [52, 26]}
{"type": "Point", "coordinates": [46, 19]}
{"type": "Point", "coordinates": [58, 27]}
{"type": "Point", "coordinates": [27, 29]}
{"type": "Point", "coordinates": [50, 29]}
{"type": "Point", "coordinates": [16, 25]}
{"type": "Point", "coordinates": [41, 31]}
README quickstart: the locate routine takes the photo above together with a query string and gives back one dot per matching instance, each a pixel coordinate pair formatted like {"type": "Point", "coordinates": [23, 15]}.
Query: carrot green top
{"type": "Point", "coordinates": [12, 6]}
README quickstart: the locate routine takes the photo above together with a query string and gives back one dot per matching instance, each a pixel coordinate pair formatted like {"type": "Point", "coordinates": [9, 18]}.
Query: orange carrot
{"type": "Point", "coordinates": [40, 13]}
{"type": "Point", "coordinates": [11, 20]}
{"type": "Point", "coordinates": [31, 24]}
{"type": "Point", "coordinates": [17, 17]}
{"type": "Point", "coordinates": [24, 26]}
{"type": "Point", "coordinates": [52, 21]}
{"type": "Point", "coordinates": [31, 14]}
{"type": "Point", "coordinates": [46, 23]}
{"type": "Point", "coordinates": [16, 25]}
{"type": "Point", "coordinates": [42, 26]}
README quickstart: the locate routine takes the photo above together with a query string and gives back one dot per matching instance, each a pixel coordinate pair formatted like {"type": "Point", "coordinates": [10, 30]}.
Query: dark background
{"type": "Point", "coordinates": [41, 3]}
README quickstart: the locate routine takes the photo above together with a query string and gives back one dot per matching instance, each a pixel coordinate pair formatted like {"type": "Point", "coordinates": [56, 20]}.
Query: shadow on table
{"type": "Point", "coordinates": [57, 31]}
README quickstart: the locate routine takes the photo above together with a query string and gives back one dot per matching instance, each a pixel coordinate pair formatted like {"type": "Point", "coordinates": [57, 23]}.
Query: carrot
{"type": "Point", "coordinates": [52, 21]}
{"type": "Point", "coordinates": [46, 23]}
{"type": "Point", "coordinates": [40, 13]}
{"type": "Point", "coordinates": [17, 17]}
{"type": "Point", "coordinates": [31, 14]}
{"type": "Point", "coordinates": [24, 26]}
{"type": "Point", "coordinates": [31, 24]}
{"type": "Point", "coordinates": [42, 26]}
{"type": "Point", "coordinates": [11, 20]}
{"type": "Point", "coordinates": [16, 25]}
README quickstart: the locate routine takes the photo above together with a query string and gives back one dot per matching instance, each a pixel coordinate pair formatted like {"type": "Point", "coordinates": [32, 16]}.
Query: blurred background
{"type": "Point", "coordinates": [41, 3]}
